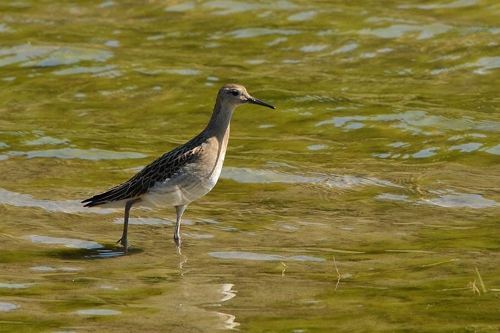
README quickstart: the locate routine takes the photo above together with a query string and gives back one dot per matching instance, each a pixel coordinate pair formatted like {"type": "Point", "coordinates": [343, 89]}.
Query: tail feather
{"type": "Point", "coordinates": [105, 197]}
{"type": "Point", "coordinates": [127, 190]}
{"type": "Point", "coordinates": [93, 201]}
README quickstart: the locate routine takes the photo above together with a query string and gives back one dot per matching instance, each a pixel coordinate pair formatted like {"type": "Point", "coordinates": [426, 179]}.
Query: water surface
{"type": "Point", "coordinates": [367, 201]}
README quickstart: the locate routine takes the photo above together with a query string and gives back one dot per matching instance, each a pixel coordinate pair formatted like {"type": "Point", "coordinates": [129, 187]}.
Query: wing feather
{"type": "Point", "coordinates": [163, 168]}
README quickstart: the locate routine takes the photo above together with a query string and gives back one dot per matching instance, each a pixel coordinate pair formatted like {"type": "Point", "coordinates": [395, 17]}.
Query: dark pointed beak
{"type": "Point", "coordinates": [259, 102]}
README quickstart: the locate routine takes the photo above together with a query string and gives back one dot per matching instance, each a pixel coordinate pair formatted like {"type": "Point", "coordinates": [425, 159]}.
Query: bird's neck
{"type": "Point", "coordinates": [218, 125]}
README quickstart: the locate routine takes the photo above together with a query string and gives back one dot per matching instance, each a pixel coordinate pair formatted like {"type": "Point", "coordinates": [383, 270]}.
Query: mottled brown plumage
{"type": "Point", "coordinates": [163, 168]}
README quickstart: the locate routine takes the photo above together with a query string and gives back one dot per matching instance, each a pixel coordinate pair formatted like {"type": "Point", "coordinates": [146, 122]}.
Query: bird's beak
{"type": "Point", "coordinates": [259, 102]}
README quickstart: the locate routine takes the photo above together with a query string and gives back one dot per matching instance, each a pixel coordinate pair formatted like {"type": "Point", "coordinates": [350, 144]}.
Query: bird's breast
{"type": "Point", "coordinates": [193, 180]}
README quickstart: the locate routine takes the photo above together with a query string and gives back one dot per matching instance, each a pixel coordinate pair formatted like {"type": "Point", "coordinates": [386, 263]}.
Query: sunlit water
{"type": "Point", "coordinates": [364, 202]}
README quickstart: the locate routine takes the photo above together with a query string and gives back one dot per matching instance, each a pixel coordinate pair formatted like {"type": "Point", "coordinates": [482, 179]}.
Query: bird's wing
{"type": "Point", "coordinates": [160, 170]}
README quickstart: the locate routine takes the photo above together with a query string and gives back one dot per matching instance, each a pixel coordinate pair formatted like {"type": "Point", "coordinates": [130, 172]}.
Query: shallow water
{"type": "Point", "coordinates": [367, 201]}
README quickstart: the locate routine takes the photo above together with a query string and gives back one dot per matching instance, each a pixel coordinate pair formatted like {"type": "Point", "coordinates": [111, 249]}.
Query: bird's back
{"type": "Point", "coordinates": [162, 169]}
{"type": "Point", "coordinates": [178, 177]}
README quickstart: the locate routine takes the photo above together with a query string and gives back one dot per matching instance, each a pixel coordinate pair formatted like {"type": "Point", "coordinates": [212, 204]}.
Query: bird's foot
{"type": "Point", "coordinates": [124, 243]}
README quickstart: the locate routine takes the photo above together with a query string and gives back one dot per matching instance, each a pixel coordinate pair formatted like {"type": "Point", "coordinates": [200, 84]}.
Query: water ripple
{"type": "Point", "coordinates": [413, 120]}
{"type": "Point", "coordinates": [15, 285]}
{"type": "Point", "coordinates": [46, 140]}
{"type": "Point", "coordinates": [68, 242]}
{"type": "Point", "coordinates": [68, 206]}
{"type": "Point", "coordinates": [97, 312]}
{"type": "Point", "coordinates": [247, 175]}
{"type": "Point", "coordinates": [151, 221]}
{"type": "Point", "coordinates": [4, 28]}
{"type": "Point", "coordinates": [451, 199]}
{"type": "Point", "coordinates": [466, 147]}
{"type": "Point", "coordinates": [453, 4]}
{"type": "Point", "coordinates": [225, 7]}
{"type": "Point", "coordinates": [54, 269]}
{"type": "Point", "coordinates": [92, 154]}
{"type": "Point", "coordinates": [260, 257]}
{"type": "Point", "coordinates": [398, 30]}
{"type": "Point", "coordinates": [4, 306]}
{"type": "Point", "coordinates": [304, 16]}
{"type": "Point", "coordinates": [84, 70]}
{"type": "Point", "coordinates": [50, 56]}
{"type": "Point", "coordinates": [446, 199]}
{"type": "Point", "coordinates": [257, 32]}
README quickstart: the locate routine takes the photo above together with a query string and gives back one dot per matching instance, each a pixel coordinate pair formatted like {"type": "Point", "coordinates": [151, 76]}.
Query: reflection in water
{"type": "Point", "coordinates": [414, 121]}
{"type": "Point", "coordinates": [446, 199]}
{"type": "Point", "coordinates": [452, 4]}
{"type": "Point", "coordinates": [46, 140]}
{"type": "Point", "coordinates": [54, 269]}
{"type": "Point", "coordinates": [198, 236]}
{"type": "Point", "coordinates": [247, 175]}
{"type": "Point", "coordinates": [313, 48]}
{"type": "Point", "coordinates": [4, 306]}
{"type": "Point", "coordinates": [144, 221]}
{"type": "Point", "coordinates": [228, 320]}
{"type": "Point", "coordinates": [493, 150]}
{"type": "Point", "coordinates": [68, 206]}
{"type": "Point", "coordinates": [395, 197]}
{"type": "Point", "coordinates": [283, 269]}
{"type": "Point", "coordinates": [151, 221]}
{"type": "Point", "coordinates": [398, 30]}
{"type": "Point", "coordinates": [15, 285]}
{"type": "Point", "coordinates": [50, 56]}
{"type": "Point", "coordinates": [424, 153]}
{"type": "Point", "coordinates": [109, 288]}
{"type": "Point", "coordinates": [4, 28]}
{"type": "Point", "coordinates": [227, 7]}
{"type": "Point", "coordinates": [256, 32]}
{"type": "Point", "coordinates": [260, 257]}
{"type": "Point", "coordinates": [97, 312]}
{"type": "Point", "coordinates": [226, 290]}
{"type": "Point", "coordinates": [104, 254]}
{"type": "Point", "coordinates": [466, 147]}
{"type": "Point", "coordinates": [304, 16]}
{"type": "Point", "coordinates": [92, 154]}
{"type": "Point", "coordinates": [185, 71]}
{"type": "Point", "coordinates": [183, 261]}
{"type": "Point", "coordinates": [485, 64]}
{"type": "Point", "coordinates": [83, 70]}
{"type": "Point", "coordinates": [317, 147]}
{"type": "Point", "coordinates": [482, 66]}
{"type": "Point", "coordinates": [451, 199]}
{"type": "Point", "coordinates": [69, 242]}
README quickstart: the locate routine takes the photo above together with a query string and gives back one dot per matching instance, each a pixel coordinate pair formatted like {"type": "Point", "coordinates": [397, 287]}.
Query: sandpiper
{"type": "Point", "coordinates": [184, 174]}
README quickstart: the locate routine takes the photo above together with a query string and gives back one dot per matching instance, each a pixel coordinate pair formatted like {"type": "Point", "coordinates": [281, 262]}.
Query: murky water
{"type": "Point", "coordinates": [368, 201]}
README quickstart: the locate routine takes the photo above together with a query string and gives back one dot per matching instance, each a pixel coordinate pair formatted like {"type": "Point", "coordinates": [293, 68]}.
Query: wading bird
{"type": "Point", "coordinates": [184, 174]}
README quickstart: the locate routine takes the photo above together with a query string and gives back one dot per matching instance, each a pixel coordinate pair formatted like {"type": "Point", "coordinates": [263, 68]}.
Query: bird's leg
{"type": "Point", "coordinates": [179, 210]}
{"type": "Point", "coordinates": [123, 240]}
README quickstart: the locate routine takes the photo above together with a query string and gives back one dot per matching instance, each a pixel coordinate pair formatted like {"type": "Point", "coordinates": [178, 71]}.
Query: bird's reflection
{"type": "Point", "coordinates": [223, 293]}
{"type": "Point", "coordinates": [228, 320]}
{"type": "Point", "coordinates": [182, 258]}
{"type": "Point", "coordinates": [227, 291]}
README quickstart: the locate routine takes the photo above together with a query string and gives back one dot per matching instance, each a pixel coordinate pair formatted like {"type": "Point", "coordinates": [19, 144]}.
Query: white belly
{"type": "Point", "coordinates": [183, 188]}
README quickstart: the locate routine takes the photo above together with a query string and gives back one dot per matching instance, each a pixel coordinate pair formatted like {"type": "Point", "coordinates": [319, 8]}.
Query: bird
{"type": "Point", "coordinates": [184, 174]}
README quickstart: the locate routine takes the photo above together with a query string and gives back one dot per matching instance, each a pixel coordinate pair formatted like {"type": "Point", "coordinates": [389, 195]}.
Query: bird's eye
{"type": "Point", "coordinates": [234, 92]}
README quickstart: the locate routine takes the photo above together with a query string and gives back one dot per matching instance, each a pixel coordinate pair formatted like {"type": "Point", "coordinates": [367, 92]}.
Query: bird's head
{"type": "Point", "coordinates": [233, 95]}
